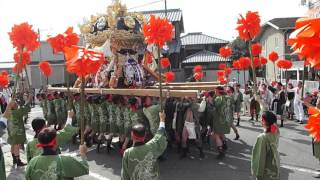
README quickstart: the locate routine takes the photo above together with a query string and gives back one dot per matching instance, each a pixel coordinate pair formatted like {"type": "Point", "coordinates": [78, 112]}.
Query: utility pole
{"type": "Point", "coordinates": [165, 7]}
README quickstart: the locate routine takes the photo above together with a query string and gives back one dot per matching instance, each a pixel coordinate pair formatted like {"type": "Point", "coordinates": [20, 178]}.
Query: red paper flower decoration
{"type": "Point", "coordinates": [263, 60]}
{"type": "Point", "coordinates": [164, 62]}
{"type": "Point", "coordinates": [305, 39]}
{"type": "Point", "coordinates": [24, 60]}
{"type": "Point", "coordinates": [169, 76]}
{"type": "Point", "coordinates": [256, 49]}
{"type": "Point", "coordinates": [222, 66]}
{"type": "Point", "coordinates": [222, 80]}
{"type": "Point", "coordinates": [158, 31]}
{"type": "Point", "coordinates": [236, 64]}
{"type": "Point", "coordinates": [273, 56]}
{"type": "Point", "coordinates": [45, 68]}
{"type": "Point", "coordinates": [313, 125]}
{"type": "Point", "coordinates": [228, 70]}
{"type": "Point", "coordinates": [249, 26]}
{"type": "Point", "coordinates": [256, 62]}
{"type": "Point", "coordinates": [225, 51]}
{"type": "Point", "coordinates": [284, 64]}
{"type": "Point", "coordinates": [4, 79]}
{"type": "Point", "coordinates": [198, 76]}
{"type": "Point", "coordinates": [82, 62]}
{"type": "Point", "coordinates": [67, 39]}
{"type": "Point", "coordinates": [197, 68]}
{"type": "Point", "coordinates": [244, 63]}
{"type": "Point", "coordinates": [221, 74]}
{"type": "Point", "coordinates": [22, 36]}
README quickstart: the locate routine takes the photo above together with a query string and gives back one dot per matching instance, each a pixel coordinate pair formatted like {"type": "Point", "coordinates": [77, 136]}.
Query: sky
{"type": "Point", "coordinates": [213, 17]}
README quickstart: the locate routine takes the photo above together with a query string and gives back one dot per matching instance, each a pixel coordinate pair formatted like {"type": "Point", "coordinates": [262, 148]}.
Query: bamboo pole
{"type": "Point", "coordinates": [160, 79]}
{"type": "Point", "coordinates": [189, 83]}
{"type": "Point", "coordinates": [14, 92]}
{"type": "Point", "coordinates": [82, 91]}
{"type": "Point", "coordinates": [253, 70]}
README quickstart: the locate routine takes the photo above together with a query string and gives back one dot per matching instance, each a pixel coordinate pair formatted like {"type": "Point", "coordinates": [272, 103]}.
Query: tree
{"type": "Point", "coordinates": [239, 49]}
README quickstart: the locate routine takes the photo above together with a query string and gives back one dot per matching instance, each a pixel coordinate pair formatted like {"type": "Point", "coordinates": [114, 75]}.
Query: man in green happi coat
{"type": "Point", "coordinates": [140, 161]}
{"type": "Point", "coordinates": [63, 136]}
{"type": "Point", "coordinates": [224, 108]}
{"type": "Point", "coordinates": [16, 131]}
{"type": "Point", "coordinates": [51, 116]}
{"type": "Point", "coordinates": [50, 165]}
{"type": "Point", "coordinates": [265, 161]}
{"type": "Point", "coordinates": [58, 109]}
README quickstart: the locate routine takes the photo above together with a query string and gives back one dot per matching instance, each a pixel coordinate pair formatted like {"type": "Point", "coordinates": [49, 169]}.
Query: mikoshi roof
{"type": "Point", "coordinates": [205, 57]}
{"type": "Point", "coordinates": [196, 38]}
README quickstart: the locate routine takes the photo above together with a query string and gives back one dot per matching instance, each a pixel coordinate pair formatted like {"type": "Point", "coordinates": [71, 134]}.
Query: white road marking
{"type": "Point", "coordinates": [97, 176]}
{"type": "Point", "coordinates": [290, 167]}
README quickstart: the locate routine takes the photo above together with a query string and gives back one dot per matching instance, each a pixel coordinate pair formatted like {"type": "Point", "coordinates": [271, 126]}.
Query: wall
{"type": "Point", "coordinates": [272, 40]}
{"type": "Point", "coordinates": [38, 80]}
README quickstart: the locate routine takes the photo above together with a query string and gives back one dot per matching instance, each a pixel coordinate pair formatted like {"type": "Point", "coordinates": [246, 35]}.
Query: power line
{"type": "Point", "coordinates": [147, 4]}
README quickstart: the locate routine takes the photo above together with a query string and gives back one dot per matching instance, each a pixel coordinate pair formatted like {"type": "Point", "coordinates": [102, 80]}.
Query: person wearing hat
{"type": "Point", "coordinates": [63, 136]}
{"type": "Point", "coordinates": [224, 108]}
{"type": "Point", "coordinates": [140, 161]}
{"type": "Point", "coordinates": [50, 165]}
{"type": "Point", "coordinates": [265, 161]}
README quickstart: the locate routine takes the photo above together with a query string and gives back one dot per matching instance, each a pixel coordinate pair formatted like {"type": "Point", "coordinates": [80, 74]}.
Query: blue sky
{"type": "Point", "coordinates": [213, 17]}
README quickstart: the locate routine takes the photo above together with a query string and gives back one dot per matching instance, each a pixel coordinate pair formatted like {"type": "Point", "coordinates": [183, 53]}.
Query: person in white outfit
{"type": "Point", "coordinates": [297, 102]}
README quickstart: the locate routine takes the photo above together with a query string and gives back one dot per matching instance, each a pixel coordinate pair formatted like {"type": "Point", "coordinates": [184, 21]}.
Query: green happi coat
{"type": "Point", "coordinates": [95, 118]}
{"type": "Point", "coordinates": [104, 119]}
{"type": "Point", "coordinates": [127, 121]}
{"type": "Point", "coordinates": [64, 105]}
{"type": "Point", "coordinates": [119, 118]}
{"type": "Point", "coordinates": [44, 106]}
{"type": "Point", "coordinates": [152, 114]}
{"type": "Point", "coordinates": [63, 137]}
{"type": "Point", "coordinates": [112, 118]}
{"type": "Point", "coordinates": [223, 113]}
{"type": "Point", "coordinates": [87, 114]}
{"type": "Point", "coordinates": [55, 167]}
{"type": "Point", "coordinates": [76, 105]}
{"type": "Point", "coordinates": [140, 162]}
{"type": "Point", "coordinates": [52, 117]}
{"type": "Point", "coordinates": [16, 130]}
{"type": "Point", "coordinates": [265, 161]}
{"type": "Point", "coordinates": [59, 110]}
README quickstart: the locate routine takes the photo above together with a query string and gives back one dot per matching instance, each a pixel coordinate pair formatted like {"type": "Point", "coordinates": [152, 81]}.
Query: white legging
{"type": "Point", "coordinates": [298, 110]}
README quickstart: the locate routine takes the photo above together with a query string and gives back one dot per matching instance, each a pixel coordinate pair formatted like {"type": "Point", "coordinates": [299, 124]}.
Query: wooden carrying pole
{"type": "Point", "coordinates": [131, 92]}
{"type": "Point", "coordinates": [198, 88]}
{"type": "Point", "coordinates": [190, 83]}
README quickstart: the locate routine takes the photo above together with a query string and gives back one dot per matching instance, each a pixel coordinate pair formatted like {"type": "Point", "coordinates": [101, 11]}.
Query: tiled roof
{"type": "Point", "coordinates": [283, 23]}
{"type": "Point", "coordinates": [199, 38]}
{"type": "Point", "coordinates": [204, 57]}
{"type": "Point", "coordinates": [173, 15]}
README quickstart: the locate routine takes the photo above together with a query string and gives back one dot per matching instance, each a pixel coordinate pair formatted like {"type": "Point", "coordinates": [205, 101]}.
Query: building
{"type": "Point", "coordinates": [176, 18]}
{"type": "Point", "coordinates": [273, 37]}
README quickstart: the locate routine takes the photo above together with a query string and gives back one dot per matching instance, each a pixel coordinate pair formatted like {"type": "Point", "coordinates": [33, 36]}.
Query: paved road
{"type": "Point", "coordinates": [297, 162]}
